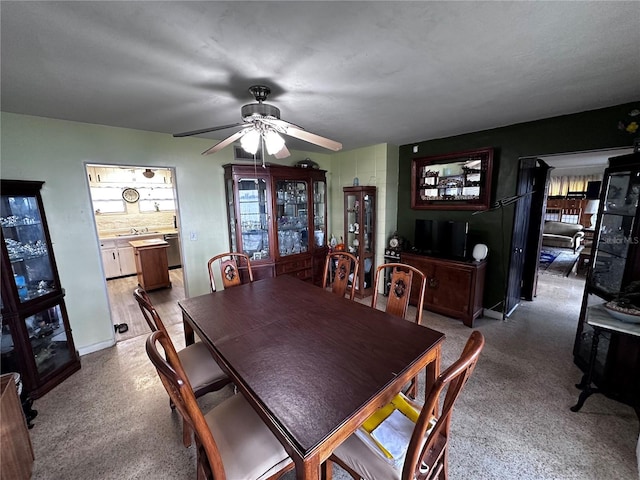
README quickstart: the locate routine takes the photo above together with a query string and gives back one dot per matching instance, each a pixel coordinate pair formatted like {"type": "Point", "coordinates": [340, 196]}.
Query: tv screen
{"type": "Point", "coordinates": [441, 238]}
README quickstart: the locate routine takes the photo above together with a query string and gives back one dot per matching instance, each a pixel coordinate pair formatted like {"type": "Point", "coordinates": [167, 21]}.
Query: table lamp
{"type": "Point", "coordinates": [592, 208]}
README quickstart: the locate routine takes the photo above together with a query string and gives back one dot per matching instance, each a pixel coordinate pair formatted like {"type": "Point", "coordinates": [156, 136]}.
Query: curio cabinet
{"type": "Point", "coordinates": [277, 216]}
{"type": "Point", "coordinates": [36, 336]}
{"type": "Point", "coordinates": [614, 267]}
{"type": "Point", "coordinates": [359, 234]}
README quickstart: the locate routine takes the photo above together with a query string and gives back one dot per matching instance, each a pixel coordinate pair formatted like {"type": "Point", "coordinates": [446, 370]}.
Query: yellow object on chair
{"type": "Point", "coordinates": [389, 414]}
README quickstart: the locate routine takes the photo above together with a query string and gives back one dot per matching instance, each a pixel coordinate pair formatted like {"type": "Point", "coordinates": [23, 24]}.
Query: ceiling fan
{"type": "Point", "coordinates": [261, 122]}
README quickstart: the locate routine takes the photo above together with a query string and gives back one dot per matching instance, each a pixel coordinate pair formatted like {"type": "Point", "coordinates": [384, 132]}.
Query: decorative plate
{"type": "Point", "coordinates": [130, 195]}
{"type": "Point", "coordinates": [626, 315]}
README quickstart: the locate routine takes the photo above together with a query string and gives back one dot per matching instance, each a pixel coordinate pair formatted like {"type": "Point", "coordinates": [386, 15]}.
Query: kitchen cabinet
{"type": "Point", "coordinates": [614, 263]}
{"type": "Point", "coordinates": [118, 257]}
{"type": "Point", "coordinates": [127, 176]}
{"type": "Point", "coordinates": [455, 288]}
{"type": "Point", "coordinates": [277, 216]}
{"type": "Point", "coordinates": [36, 335]}
{"type": "Point", "coordinates": [359, 234]}
{"type": "Point", "coordinates": [152, 266]}
{"type": "Point", "coordinates": [110, 261]}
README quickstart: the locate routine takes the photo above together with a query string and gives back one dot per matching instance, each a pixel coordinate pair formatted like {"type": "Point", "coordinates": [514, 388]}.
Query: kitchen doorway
{"type": "Point", "coordinates": [134, 203]}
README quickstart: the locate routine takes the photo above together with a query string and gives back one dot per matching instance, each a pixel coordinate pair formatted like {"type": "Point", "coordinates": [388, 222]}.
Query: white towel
{"type": "Point", "coordinates": [394, 434]}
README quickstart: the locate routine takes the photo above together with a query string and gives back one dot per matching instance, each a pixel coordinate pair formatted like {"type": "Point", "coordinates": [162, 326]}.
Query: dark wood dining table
{"type": "Point", "coordinates": [313, 365]}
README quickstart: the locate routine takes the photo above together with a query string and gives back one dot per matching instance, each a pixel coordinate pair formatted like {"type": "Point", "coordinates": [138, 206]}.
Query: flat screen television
{"type": "Point", "coordinates": [441, 238]}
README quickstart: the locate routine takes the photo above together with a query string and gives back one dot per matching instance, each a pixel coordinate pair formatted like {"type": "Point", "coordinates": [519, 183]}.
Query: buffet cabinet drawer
{"type": "Point", "coordinates": [294, 266]}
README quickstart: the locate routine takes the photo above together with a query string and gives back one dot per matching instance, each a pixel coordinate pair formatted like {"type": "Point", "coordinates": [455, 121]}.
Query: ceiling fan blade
{"type": "Point", "coordinates": [281, 124]}
{"type": "Point", "coordinates": [283, 153]}
{"type": "Point", "coordinates": [312, 138]}
{"type": "Point", "coordinates": [207, 130]}
{"type": "Point", "coordinates": [223, 143]}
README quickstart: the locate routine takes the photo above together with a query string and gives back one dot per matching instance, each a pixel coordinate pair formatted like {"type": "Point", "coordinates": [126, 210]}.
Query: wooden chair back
{"type": "Point", "coordinates": [433, 453]}
{"type": "Point", "coordinates": [148, 310]}
{"type": "Point", "coordinates": [175, 381]}
{"type": "Point", "coordinates": [427, 453]}
{"type": "Point", "coordinates": [230, 264]}
{"type": "Point", "coordinates": [345, 264]}
{"type": "Point", "coordinates": [400, 284]}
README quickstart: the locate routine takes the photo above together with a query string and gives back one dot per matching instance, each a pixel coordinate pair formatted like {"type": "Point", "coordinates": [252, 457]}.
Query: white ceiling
{"type": "Point", "coordinates": [360, 73]}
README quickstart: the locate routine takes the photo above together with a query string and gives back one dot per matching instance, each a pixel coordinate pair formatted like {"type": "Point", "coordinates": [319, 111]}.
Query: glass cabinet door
{"type": "Point", "coordinates": [319, 213]}
{"type": "Point", "coordinates": [616, 227]}
{"type": "Point", "coordinates": [292, 217]}
{"type": "Point", "coordinates": [48, 340]}
{"type": "Point", "coordinates": [24, 236]}
{"type": "Point", "coordinates": [368, 227]}
{"type": "Point", "coordinates": [253, 217]}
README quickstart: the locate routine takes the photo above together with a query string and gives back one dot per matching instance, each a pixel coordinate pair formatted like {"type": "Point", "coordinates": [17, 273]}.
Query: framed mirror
{"type": "Point", "coordinates": [455, 181]}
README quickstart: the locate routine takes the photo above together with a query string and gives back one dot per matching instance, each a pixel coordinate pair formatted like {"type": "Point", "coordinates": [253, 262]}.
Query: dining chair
{"type": "Point", "coordinates": [338, 267]}
{"type": "Point", "coordinates": [246, 448]}
{"type": "Point", "coordinates": [230, 264]}
{"type": "Point", "coordinates": [204, 374]}
{"type": "Point", "coordinates": [426, 451]}
{"type": "Point", "coordinates": [399, 284]}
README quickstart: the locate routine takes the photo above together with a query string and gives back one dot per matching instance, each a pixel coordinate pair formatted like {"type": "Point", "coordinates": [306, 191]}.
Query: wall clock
{"type": "Point", "coordinates": [130, 195]}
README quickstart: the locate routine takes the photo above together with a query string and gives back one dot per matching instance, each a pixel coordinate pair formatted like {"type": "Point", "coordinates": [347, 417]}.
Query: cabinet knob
{"type": "Point", "coordinates": [432, 282]}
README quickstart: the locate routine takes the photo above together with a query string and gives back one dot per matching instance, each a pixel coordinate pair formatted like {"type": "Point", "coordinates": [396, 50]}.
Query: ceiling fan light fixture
{"type": "Point", "coordinates": [250, 141]}
{"type": "Point", "coordinates": [274, 142]}
{"type": "Point", "coordinates": [148, 173]}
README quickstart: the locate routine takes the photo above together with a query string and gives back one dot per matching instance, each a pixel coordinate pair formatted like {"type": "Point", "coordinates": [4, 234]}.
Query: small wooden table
{"type": "Point", "coordinates": [583, 260]}
{"type": "Point", "coordinates": [313, 365]}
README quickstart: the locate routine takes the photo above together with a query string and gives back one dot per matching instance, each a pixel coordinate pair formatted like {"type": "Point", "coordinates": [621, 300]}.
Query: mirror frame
{"type": "Point", "coordinates": [421, 171]}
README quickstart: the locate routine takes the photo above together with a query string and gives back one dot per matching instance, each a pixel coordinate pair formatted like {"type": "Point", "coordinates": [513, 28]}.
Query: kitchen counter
{"type": "Point", "coordinates": [128, 236]}
{"type": "Point", "coordinates": [148, 242]}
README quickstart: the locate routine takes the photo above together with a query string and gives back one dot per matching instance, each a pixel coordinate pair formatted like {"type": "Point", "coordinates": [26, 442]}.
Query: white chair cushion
{"type": "Point", "coordinates": [199, 365]}
{"type": "Point", "coordinates": [359, 456]}
{"type": "Point", "coordinates": [249, 450]}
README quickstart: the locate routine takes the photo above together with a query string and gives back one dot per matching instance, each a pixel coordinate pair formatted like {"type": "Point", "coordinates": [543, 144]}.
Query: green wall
{"type": "Point", "coordinates": [592, 130]}
{"type": "Point", "coordinates": [56, 152]}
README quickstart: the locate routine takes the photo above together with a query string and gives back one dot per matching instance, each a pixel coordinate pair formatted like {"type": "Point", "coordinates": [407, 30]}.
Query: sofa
{"type": "Point", "coordinates": [564, 235]}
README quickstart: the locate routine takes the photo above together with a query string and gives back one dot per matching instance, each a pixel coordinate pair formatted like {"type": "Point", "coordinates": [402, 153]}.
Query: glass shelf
{"type": "Point", "coordinates": [252, 217]}
{"type": "Point", "coordinates": [292, 223]}
{"type": "Point", "coordinates": [26, 244]}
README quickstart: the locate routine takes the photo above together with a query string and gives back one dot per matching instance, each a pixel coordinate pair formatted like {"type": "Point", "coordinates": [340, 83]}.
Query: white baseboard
{"type": "Point", "coordinates": [96, 347]}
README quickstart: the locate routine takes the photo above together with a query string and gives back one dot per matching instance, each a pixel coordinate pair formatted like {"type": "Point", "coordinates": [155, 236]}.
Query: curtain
{"type": "Point", "coordinates": [560, 186]}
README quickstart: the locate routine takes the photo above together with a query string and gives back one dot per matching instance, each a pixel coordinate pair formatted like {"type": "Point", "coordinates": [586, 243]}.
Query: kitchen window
{"type": "Point", "coordinates": [156, 199]}
{"type": "Point", "coordinates": [107, 200]}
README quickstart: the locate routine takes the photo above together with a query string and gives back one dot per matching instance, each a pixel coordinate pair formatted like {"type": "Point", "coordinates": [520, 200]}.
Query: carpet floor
{"type": "Point", "coordinates": [111, 420]}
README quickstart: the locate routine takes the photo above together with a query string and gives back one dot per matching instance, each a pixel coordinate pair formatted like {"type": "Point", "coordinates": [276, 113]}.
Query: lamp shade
{"type": "Point", "coordinates": [250, 141]}
{"type": "Point", "coordinates": [591, 207]}
{"type": "Point", "coordinates": [273, 141]}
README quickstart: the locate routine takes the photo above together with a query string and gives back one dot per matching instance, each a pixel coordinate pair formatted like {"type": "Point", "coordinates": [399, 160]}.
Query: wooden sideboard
{"type": "Point", "coordinates": [454, 288]}
{"type": "Point", "coordinates": [17, 451]}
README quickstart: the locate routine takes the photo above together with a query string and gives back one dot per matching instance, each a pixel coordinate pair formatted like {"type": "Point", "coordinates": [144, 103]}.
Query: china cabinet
{"type": "Point", "coordinates": [359, 233]}
{"type": "Point", "coordinates": [277, 215]}
{"type": "Point", "coordinates": [36, 336]}
{"type": "Point", "coordinates": [614, 264]}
